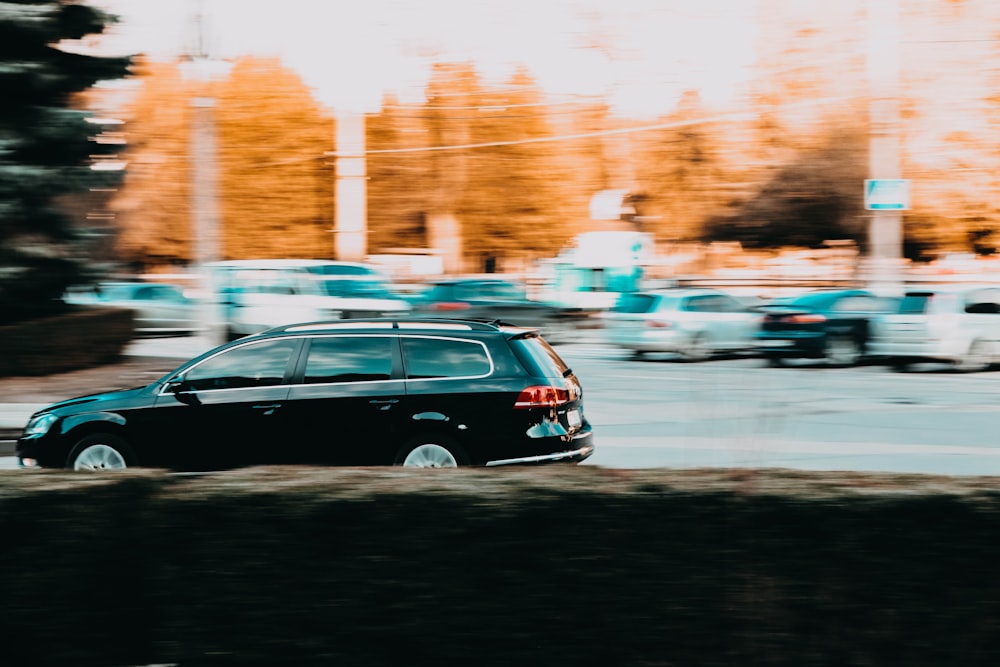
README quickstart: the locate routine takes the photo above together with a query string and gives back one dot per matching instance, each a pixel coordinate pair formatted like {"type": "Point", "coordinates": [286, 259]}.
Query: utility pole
{"type": "Point", "coordinates": [885, 230]}
{"type": "Point", "coordinates": [201, 69]}
{"type": "Point", "coordinates": [351, 191]}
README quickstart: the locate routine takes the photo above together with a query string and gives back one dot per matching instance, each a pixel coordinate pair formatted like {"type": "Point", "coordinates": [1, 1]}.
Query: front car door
{"type": "Point", "coordinates": [227, 410]}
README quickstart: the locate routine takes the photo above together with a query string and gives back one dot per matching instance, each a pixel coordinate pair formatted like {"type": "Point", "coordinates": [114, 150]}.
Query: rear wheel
{"type": "Point", "coordinates": [843, 351]}
{"type": "Point", "coordinates": [100, 451]}
{"type": "Point", "coordinates": [431, 452]}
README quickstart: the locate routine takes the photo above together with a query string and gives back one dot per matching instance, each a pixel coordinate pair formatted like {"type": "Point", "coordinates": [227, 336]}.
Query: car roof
{"type": "Point", "coordinates": [683, 291]}
{"type": "Point", "coordinates": [952, 288]}
{"type": "Point", "coordinates": [409, 324]}
{"type": "Point", "coordinates": [284, 263]}
{"type": "Point", "coordinates": [478, 281]}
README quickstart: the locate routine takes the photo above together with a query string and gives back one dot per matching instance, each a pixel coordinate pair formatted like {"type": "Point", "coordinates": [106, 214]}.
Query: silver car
{"type": "Point", "coordinates": [691, 322]}
{"type": "Point", "coordinates": [159, 308]}
{"type": "Point", "coordinates": [956, 324]}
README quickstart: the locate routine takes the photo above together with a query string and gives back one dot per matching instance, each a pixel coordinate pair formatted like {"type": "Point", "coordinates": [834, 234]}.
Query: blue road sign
{"type": "Point", "coordinates": [887, 194]}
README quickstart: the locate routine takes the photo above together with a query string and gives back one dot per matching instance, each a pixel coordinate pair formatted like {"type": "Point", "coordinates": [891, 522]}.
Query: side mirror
{"type": "Point", "coordinates": [175, 384]}
{"type": "Point", "coordinates": [181, 390]}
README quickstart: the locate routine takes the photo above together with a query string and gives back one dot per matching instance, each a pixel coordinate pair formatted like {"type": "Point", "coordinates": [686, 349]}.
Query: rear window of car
{"type": "Point", "coordinates": [914, 303]}
{"type": "Point", "coordinates": [538, 357]}
{"type": "Point", "coordinates": [430, 358]}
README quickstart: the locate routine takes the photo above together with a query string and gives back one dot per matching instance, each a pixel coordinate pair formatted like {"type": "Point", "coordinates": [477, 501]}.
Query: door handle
{"type": "Point", "coordinates": [384, 405]}
{"type": "Point", "coordinates": [268, 409]}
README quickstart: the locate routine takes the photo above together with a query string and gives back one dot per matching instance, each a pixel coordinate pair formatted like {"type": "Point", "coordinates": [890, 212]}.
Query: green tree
{"type": "Point", "coordinates": [45, 147]}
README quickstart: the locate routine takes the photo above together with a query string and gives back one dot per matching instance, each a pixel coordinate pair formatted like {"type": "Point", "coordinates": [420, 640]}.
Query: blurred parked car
{"type": "Point", "coordinates": [382, 392]}
{"type": "Point", "coordinates": [498, 299]}
{"type": "Point", "coordinates": [160, 308]}
{"type": "Point", "coordinates": [833, 325]}
{"type": "Point", "coordinates": [955, 324]}
{"type": "Point", "coordinates": [693, 322]}
{"type": "Point", "coordinates": [259, 294]}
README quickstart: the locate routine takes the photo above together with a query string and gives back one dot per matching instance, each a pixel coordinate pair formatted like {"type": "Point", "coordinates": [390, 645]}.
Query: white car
{"type": "Point", "coordinates": [692, 322]}
{"type": "Point", "coordinates": [255, 295]}
{"type": "Point", "coordinates": [943, 323]}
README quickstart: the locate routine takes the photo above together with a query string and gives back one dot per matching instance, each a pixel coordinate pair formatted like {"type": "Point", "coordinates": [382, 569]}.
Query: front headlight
{"type": "Point", "coordinates": [40, 424]}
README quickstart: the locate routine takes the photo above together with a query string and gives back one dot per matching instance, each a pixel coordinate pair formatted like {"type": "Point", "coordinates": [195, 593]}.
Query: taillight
{"type": "Point", "coordinates": [808, 318]}
{"type": "Point", "coordinates": [450, 305]}
{"type": "Point", "coordinates": [541, 396]}
{"type": "Point", "coordinates": [659, 324]}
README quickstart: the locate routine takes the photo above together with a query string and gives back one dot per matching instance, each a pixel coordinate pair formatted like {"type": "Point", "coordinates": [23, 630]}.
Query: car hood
{"type": "Point", "coordinates": [101, 401]}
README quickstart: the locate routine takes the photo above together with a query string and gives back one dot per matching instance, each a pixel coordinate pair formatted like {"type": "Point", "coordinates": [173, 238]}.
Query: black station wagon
{"type": "Point", "coordinates": [422, 393]}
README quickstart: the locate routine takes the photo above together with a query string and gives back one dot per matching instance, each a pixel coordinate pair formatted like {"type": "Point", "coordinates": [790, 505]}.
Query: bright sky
{"type": "Point", "coordinates": [640, 53]}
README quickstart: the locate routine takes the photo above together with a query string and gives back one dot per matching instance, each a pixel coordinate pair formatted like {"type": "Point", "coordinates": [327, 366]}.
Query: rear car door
{"type": "Point", "coordinates": [449, 393]}
{"type": "Point", "coordinates": [346, 403]}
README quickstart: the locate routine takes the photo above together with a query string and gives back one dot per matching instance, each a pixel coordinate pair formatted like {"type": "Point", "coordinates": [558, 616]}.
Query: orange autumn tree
{"type": "Point", "coordinates": [275, 184]}
{"type": "Point", "coordinates": [276, 181]}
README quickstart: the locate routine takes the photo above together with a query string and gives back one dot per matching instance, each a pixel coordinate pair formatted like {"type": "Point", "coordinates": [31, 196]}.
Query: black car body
{"type": "Point", "coordinates": [500, 299]}
{"type": "Point", "coordinates": [834, 325]}
{"type": "Point", "coordinates": [381, 392]}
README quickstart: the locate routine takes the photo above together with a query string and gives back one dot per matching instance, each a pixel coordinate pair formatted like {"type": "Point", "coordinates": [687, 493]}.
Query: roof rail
{"type": "Point", "coordinates": [393, 323]}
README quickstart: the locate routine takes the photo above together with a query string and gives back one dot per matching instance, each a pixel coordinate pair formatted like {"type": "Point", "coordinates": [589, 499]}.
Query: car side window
{"type": "Point", "coordinates": [427, 358]}
{"type": "Point", "coordinates": [708, 303]}
{"type": "Point", "coordinates": [983, 302]}
{"type": "Point", "coordinates": [255, 365]}
{"type": "Point", "coordinates": [349, 359]}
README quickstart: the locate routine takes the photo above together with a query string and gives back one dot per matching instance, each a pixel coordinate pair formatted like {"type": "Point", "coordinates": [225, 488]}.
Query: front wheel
{"type": "Point", "coordinates": [431, 452]}
{"type": "Point", "coordinates": [697, 349]}
{"type": "Point", "coordinates": [100, 451]}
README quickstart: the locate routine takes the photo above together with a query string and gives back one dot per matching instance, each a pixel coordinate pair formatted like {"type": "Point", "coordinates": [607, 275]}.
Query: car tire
{"type": "Point", "coordinates": [696, 349]}
{"type": "Point", "coordinates": [900, 365]}
{"type": "Point", "coordinates": [431, 451]}
{"type": "Point", "coordinates": [101, 451]}
{"type": "Point", "coordinates": [843, 351]}
{"type": "Point", "coordinates": [774, 361]}
{"type": "Point", "coordinates": [974, 360]}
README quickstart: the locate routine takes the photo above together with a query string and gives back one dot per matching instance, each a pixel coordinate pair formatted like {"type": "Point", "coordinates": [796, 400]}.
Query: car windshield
{"type": "Point", "coordinates": [355, 288]}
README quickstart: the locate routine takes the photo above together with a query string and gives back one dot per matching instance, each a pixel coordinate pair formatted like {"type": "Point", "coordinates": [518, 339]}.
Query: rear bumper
{"type": "Point", "coordinates": [582, 448]}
